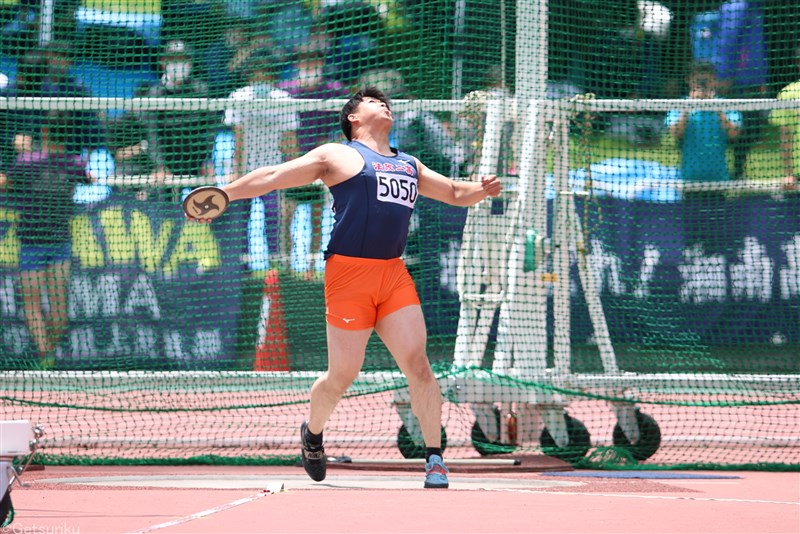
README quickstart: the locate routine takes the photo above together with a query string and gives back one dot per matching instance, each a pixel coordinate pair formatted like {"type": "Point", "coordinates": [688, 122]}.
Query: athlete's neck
{"type": "Point", "coordinates": [378, 144]}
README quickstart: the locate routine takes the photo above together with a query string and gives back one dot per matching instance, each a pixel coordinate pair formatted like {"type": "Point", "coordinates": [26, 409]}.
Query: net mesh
{"type": "Point", "coordinates": [632, 298]}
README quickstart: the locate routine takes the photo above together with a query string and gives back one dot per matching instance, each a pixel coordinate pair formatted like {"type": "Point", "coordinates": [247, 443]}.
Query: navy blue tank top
{"type": "Point", "coordinates": [373, 208]}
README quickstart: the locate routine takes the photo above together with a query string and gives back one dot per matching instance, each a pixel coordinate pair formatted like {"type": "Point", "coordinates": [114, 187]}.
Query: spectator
{"type": "Point", "coordinates": [291, 24]}
{"type": "Point", "coordinates": [223, 62]}
{"type": "Point", "coordinates": [127, 141]}
{"type": "Point", "coordinates": [21, 128]}
{"type": "Point", "coordinates": [41, 184]}
{"type": "Point", "coordinates": [354, 27]}
{"type": "Point", "coordinates": [740, 57]}
{"type": "Point", "coordinates": [44, 73]}
{"type": "Point", "coordinates": [179, 142]}
{"type": "Point", "coordinates": [704, 137]}
{"type": "Point", "coordinates": [316, 128]}
{"type": "Point", "coordinates": [59, 82]}
{"type": "Point", "coordinates": [262, 137]}
{"type": "Point", "coordinates": [789, 123]}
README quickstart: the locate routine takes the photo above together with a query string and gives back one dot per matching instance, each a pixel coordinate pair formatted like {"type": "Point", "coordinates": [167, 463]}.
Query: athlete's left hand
{"type": "Point", "coordinates": [491, 185]}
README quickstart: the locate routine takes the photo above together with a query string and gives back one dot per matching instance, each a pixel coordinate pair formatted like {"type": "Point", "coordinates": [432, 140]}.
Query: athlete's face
{"type": "Point", "coordinates": [373, 109]}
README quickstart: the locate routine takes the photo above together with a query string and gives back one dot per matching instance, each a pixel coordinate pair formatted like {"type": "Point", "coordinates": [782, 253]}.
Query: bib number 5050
{"type": "Point", "coordinates": [398, 189]}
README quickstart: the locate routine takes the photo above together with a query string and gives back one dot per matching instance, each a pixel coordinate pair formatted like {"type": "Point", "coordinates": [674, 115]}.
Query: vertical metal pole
{"type": "Point", "coordinates": [531, 53]}
{"type": "Point", "coordinates": [479, 248]}
{"type": "Point", "coordinates": [562, 226]}
{"type": "Point", "coordinates": [458, 53]}
{"type": "Point", "coordinates": [527, 293]}
{"type": "Point", "coordinates": [503, 40]}
{"type": "Point", "coordinates": [531, 89]}
{"type": "Point", "coordinates": [46, 14]}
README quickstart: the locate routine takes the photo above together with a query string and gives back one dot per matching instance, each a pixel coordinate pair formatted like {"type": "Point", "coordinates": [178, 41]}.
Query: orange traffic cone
{"type": "Point", "coordinates": [272, 351]}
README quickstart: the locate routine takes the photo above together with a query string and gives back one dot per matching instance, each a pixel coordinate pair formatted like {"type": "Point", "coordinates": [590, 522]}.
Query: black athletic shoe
{"type": "Point", "coordinates": [314, 460]}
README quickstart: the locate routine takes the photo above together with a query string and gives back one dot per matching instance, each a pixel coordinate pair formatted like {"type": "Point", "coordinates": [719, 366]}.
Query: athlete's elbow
{"type": "Point", "coordinates": [463, 201]}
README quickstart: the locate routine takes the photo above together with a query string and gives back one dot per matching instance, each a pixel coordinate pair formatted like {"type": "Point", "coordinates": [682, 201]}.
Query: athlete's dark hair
{"type": "Point", "coordinates": [352, 104]}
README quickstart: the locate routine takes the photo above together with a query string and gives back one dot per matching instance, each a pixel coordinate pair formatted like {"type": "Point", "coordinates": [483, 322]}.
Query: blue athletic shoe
{"type": "Point", "coordinates": [436, 473]}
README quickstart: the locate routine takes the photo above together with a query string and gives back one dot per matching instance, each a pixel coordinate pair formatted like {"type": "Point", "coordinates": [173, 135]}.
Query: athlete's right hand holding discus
{"type": "Point", "coordinates": [205, 204]}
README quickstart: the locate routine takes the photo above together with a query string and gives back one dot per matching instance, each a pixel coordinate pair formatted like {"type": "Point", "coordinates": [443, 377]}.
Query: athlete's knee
{"type": "Point", "coordinates": [419, 370]}
{"type": "Point", "coordinates": [337, 382]}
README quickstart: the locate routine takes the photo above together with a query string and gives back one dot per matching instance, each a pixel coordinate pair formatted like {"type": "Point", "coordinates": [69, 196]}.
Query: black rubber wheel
{"type": "Point", "coordinates": [649, 437]}
{"type": "Point", "coordinates": [483, 445]}
{"type": "Point", "coordinates": [409, 448]}
{"type": "Point", "coordinates": [579, 442]}
{"type": "Point", "coordinates": [6, 510]}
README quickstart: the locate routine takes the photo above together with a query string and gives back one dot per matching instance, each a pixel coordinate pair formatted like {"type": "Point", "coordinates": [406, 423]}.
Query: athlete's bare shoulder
{"type": "Point", "coordinates": [341, 162]}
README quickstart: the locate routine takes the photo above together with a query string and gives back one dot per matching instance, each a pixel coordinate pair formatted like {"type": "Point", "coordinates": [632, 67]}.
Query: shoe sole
{"type": "Point", "coordinates": [316, 477]}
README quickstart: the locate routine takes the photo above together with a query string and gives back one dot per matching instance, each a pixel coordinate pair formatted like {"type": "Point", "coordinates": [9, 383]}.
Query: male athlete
{"type": "Point", "coordinates": [367, 286]}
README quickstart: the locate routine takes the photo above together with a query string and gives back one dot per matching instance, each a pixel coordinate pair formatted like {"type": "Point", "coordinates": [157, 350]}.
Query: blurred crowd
{"type": "Point", "coordinates": [324, 49]}
{"type": "Point", "coordinates": [320, 49]}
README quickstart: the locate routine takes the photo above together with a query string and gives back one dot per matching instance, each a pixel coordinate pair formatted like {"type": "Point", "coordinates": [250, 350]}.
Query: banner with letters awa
{"type": "Point", "coordinates": [148, 289]}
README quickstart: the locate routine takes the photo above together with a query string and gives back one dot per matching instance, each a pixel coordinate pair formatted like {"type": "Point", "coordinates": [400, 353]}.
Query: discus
{"type": "Point", "coordinates": [205, 203]}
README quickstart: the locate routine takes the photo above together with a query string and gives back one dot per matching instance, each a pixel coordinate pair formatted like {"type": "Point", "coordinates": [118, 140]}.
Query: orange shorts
{"type": "Point", "coordinates": [361, 291]}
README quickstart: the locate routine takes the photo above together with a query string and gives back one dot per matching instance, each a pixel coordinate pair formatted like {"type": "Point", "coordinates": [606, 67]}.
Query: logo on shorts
{"type": "Point", "coordinates": [348, 321]}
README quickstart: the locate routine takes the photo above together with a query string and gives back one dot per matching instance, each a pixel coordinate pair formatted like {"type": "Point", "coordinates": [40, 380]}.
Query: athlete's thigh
{"type": "Point", "coordinates": [346, 350]}
{"type": "Point", "coordinates": [404, 334]}
{"type": "Point", "coordinates": [398, 290]}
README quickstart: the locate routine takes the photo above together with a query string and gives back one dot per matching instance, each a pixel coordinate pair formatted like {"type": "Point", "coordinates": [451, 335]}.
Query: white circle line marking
{"type": "Point", "coordinates": [273, 488]}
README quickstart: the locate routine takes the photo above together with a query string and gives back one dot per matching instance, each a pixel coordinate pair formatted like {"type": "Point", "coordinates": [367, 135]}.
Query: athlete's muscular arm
{"type": "Point", "coordinates": [294, 173]}
{"type": "Point", "coordinates": [441, 188]}
{"type": "Point", "coordinates": [327, 162]}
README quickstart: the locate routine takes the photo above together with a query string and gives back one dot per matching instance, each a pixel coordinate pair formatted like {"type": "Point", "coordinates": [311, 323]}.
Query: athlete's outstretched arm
{"type": "Point", "coordinates": [441, 188]}
{"type": "Point", "coordinates": [293, 173]}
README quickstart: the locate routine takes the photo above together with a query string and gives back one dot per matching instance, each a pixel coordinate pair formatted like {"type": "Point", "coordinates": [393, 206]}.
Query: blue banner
{"type": "Point", "coordinates": [736, 281]}
{"type": "Point", "coordinates": [741, 287]}
{"type": "Point", "coordinates": [147, 289]}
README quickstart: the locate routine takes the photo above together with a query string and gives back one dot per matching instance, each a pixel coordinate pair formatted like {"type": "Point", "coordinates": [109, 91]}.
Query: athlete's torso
{"type": "Point", "coordinates": [372, 209]}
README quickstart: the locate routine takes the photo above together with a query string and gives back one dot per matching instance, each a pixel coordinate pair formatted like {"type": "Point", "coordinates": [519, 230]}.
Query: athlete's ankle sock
{"type": "Point", "coordinates": [315, 440]}
{"type": "Point", "coordinates": [431, 451]}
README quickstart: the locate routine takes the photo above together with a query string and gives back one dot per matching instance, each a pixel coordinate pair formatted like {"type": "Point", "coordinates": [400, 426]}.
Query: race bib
{"type": "Point", "coordinates": [397, 188]}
